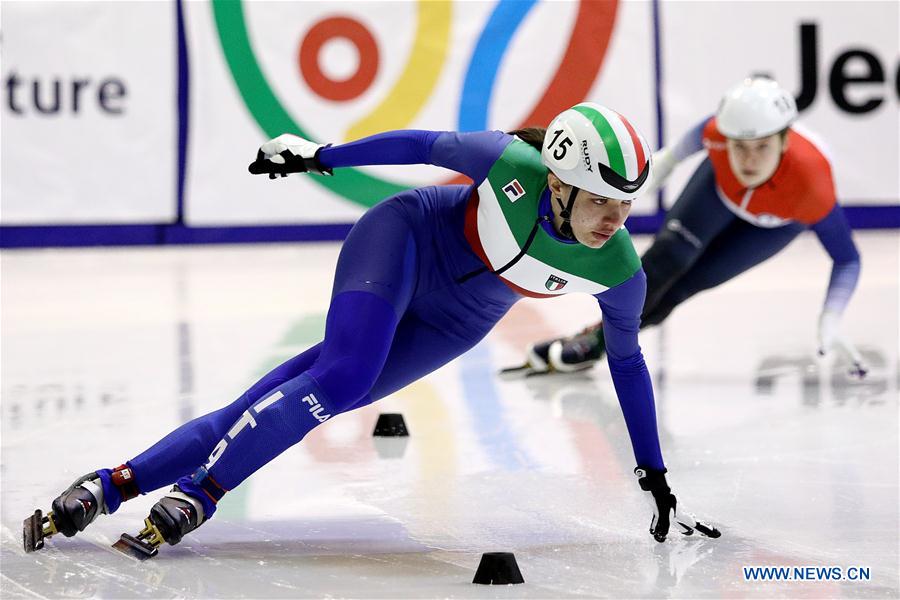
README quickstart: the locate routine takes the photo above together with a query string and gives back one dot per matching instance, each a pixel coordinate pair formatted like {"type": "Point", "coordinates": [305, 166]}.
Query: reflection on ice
{"type": "Point", "coordinates": [794, 461]}
{"type": "Point", "coordinates": [830, 380]}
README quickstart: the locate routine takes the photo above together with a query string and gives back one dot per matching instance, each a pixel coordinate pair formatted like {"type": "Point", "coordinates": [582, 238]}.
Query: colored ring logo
{"type": "Point", "coordinates": [574, 76]}
{"type": "Point", "coordinates": [311, 48]}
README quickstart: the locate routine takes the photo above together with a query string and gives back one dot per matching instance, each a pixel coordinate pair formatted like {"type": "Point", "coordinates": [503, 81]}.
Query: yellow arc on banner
{"type": "Point", "coordinates": [419, 77]}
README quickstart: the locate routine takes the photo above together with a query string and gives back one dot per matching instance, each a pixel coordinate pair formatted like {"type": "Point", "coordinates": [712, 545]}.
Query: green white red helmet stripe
{"type": "Point", "coordinates": [624, 151]}
{"type": "Point", "coordinates": [641, 157]}
{"type": "Point", "coordinates": [594, 148]}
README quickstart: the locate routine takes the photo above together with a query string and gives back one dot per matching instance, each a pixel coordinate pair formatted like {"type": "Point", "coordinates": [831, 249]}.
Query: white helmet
{"type": "Point", "coordinates": [755, 108]}
{"type": "Point", "coordinates": [593, 148]}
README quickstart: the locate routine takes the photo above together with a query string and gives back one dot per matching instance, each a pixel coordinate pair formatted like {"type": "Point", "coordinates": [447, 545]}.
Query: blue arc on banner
{"type": "Point", "coordinates": [484, 65]}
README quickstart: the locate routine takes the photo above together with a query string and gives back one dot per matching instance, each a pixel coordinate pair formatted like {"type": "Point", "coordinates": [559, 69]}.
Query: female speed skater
{"type": "Point", "coordinates": [762, 183]}
{"type": "Point", "coordinates": [421, 278]}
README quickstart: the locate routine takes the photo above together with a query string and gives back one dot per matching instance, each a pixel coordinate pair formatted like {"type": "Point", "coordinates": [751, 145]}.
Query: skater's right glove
{"type": "Point", "coordinates": [666, 509]}
{"type": "Point", "coordinates": [287, 154]}
{"type": "Point", "coordinates": [831, 338]}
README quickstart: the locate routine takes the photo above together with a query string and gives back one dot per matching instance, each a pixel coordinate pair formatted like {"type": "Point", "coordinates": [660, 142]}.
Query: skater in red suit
{"type": "Point", "coordinates": [763, 182]}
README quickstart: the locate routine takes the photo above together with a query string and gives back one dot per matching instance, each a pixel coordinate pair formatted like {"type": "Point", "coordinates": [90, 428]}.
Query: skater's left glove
{"type": "Point", "coordinates": [664, 162]}
{"type": "Point", "coordinates": [830, 338]}
{"type": "Point", "coordinates": [666, 508]}
{"type": "Point", "coordinates": [287, 154]}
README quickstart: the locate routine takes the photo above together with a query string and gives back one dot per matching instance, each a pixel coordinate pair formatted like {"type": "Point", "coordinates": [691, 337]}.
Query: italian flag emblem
{"type": "Point", "coordinates": [555, 283]}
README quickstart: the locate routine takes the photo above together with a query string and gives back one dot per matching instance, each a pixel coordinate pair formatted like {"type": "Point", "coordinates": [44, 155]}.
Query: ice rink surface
{"type": "Point", "coordinates": [104, 351]}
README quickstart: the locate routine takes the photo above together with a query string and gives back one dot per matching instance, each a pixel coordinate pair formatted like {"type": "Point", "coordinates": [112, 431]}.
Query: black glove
{"type": "Point", "coordinates": [666, 509]}
{"type": "Point", "coordinates": [287, 154]}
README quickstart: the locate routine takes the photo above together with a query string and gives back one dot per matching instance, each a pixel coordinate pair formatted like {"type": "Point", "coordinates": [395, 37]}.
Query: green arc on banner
{"type": "Point", "coordinates": [270, 115]}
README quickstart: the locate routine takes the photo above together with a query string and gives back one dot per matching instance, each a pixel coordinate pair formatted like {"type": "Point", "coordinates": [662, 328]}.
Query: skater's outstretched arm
{"type": "Point", "coordinates": [621, 308]}
{"type": "Point", "coordinates": [834, 233]}
{"type": "Point", "coordinates": [471, 154]}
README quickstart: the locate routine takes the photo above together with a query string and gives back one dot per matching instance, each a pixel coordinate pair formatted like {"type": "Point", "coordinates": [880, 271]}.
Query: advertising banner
{"type": "Point", "coordinates": [89, 114]}
{"type": "Point", "coordinates": [334, 72]}
{"type": "Point", "coordinates": [840, 59]}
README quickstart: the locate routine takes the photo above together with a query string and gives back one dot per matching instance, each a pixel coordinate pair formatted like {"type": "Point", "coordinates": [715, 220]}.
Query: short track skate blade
{"type": "Point", "coordinates": [534, 373]}
{"type": "Point", "coordinates": [521, 371]}
{"type": "Point", "coordinates": [515, 370]}
{"type": "Point", "coordinates": [135, 548]}
{"type": "Point", "coordinates": [33, 531]}
{"type": "Point", "coordinates": [711, 532]}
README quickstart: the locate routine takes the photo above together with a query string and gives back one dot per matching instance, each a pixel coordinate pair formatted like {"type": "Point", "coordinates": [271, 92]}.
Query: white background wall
{"type": "Point", "coordinates": [94, 162]}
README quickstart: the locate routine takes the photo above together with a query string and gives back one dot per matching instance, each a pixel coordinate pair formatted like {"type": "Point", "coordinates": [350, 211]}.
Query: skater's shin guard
{"type": "Point", "coordinates": [265, 430]}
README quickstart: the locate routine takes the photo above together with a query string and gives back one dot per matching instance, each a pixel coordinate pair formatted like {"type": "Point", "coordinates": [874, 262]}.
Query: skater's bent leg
{"type": "Point", "coordinates": [183, 450]}
{"type": "Point", "coordinates": [356, 344]}
{"type": "Point", "coordinates": [739, 248]}
{"type": "Point", "coordinates": [177, 454]}
{"type": "Point", "coordinates": [420, 348]}
{"type": "Point", "coordinates": [417, 349]}
{"type": "Point", "coordinates": [358, 333]}
{"type": "Point", "coordinates": [373, 286]}
{"type": "Point", "coordinates": [692, 223]}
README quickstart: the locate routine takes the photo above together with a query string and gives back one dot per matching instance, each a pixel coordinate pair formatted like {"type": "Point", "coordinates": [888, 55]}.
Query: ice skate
{"type": "Point", "coordinates": [536, 361]}
{"type": "Point", "coordinates": [561, 355]}
{"type": "Point", "coordinates": [77, 507]}
{"type": "Point", "coordinates": [71, 512]}
{"type": "Point", "coordinates": [174, 516]}
{"type": "Point", "coordinates": [578, 352]}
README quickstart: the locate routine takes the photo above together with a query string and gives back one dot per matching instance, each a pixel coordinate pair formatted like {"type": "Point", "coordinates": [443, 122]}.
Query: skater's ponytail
{"type": "Point", "coordinates": [533, 136]}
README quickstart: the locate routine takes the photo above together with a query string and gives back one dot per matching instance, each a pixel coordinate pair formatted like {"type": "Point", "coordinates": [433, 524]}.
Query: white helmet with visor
{"type": "Point", "coordinates": [593, 148]}
{"type": "Point", "coordinates": [596, 149]}
{"type": "Point", "coordinates": [755, 108]}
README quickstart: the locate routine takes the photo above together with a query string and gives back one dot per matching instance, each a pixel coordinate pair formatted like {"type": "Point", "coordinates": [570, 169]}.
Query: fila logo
{"type": "Point", "coordinates": [513, 190]}
{"type": "Point", "coordinates": [315, 409]}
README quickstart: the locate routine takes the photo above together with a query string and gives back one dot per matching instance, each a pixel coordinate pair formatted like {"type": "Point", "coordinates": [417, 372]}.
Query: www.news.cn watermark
{"type": "Point", "coordinates": [804, 573]}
